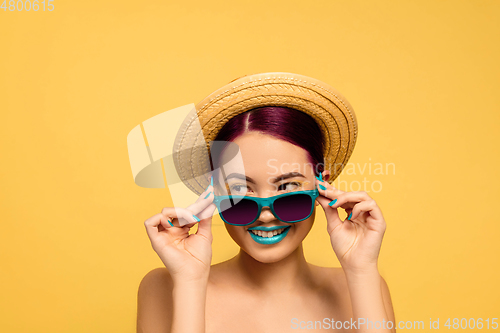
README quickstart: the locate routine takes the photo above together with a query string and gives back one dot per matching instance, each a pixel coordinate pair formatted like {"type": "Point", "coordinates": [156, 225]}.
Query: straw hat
{"type": "Point", "coordinates": [332, 112]}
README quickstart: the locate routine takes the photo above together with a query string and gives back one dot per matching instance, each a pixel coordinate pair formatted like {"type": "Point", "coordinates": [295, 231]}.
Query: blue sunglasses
{"type": "Point", "coordinates": [288, 207]}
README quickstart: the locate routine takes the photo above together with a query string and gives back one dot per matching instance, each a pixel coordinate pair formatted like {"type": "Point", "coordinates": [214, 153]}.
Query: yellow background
{"type": "Point", "coordinates": [422, 76]}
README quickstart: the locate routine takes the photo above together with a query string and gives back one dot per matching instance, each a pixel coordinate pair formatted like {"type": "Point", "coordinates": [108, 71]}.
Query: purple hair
{"type": "Point", "coordinates": [293, 126]}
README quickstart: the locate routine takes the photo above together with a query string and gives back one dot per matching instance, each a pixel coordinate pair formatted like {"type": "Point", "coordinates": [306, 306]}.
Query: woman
{"type": "Point", "coordinates": [269, 286]}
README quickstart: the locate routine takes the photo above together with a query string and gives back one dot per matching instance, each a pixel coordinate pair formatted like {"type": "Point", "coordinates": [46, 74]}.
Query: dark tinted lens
{"type": "Point", "coordinates": [242, 212]}
{"type": "Point", "coordinates": [293, 207]}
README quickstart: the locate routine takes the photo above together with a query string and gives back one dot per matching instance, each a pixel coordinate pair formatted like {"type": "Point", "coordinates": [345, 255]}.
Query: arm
{"type": "Point", "coordinates": [357, 241]}
{"type": "Point", "coordinates": [165, 306]}
{"type": "Point", "coordinates": [371, 301]}
{"type": "Point", "coordinates": [154, 302]}
{"type": "Point", "coordinates": [172, 299]}
{"type": "Point", "coordinates": [189, 307]}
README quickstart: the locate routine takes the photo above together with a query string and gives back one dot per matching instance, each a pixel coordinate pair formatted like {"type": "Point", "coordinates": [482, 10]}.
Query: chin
{"type": "Point", "coordinates": [269, 256]}
{"type": "Point", "coordinates": [270, 250]}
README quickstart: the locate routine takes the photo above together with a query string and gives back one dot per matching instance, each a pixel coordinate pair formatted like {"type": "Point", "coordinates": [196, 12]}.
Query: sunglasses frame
{"type": "Point", "coordinates": [265, 202]}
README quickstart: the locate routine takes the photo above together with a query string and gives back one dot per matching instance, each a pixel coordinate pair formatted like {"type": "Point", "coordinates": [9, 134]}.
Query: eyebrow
{"type": "Point", "coordinates": [274, 180]}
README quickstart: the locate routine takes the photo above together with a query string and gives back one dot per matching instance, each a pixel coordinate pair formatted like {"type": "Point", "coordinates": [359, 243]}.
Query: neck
{"type": "Point", "coordinates": [286, 274]}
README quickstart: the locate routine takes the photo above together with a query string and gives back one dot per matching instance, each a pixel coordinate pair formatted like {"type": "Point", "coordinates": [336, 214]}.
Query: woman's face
{"type": "Point", "coordinates": [266, 159]}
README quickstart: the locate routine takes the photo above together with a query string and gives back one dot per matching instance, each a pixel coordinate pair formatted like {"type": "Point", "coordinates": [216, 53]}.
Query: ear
{"type": "Point", "coordinates": [326, 175]}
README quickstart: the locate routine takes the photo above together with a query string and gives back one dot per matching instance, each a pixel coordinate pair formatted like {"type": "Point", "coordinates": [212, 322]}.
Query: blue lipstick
{"type": "Point", "coordinates": [269, 240]}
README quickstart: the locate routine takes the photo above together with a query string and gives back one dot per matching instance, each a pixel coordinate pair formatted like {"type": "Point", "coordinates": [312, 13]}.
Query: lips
{"type": "Point", "coordinates": [268, 235]}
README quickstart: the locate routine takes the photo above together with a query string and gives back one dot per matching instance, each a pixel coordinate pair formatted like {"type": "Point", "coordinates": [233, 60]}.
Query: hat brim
{"type": "Point", "coordinates": [333, 113]}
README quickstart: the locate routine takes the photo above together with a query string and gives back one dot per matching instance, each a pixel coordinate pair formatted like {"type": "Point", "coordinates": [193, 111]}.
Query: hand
{"type": "Point", "coordinates": [356, 240]}
{"type": "Point", "coordinates": [187, 257]}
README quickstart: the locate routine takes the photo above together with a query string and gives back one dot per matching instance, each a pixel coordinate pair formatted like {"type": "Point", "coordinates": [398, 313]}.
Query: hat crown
{"type": "Point", "coordinates": [333, 113]}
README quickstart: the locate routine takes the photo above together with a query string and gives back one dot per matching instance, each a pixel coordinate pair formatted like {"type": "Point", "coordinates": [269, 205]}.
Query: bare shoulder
{"type": "Point", "coordinates": [332, 281]}
{"type": "Point", "coordinates": [158, 277]}
{"type": "Point", "coordinates": [154, 301]}
{"type": "Point", "coordinates": [332, 277]}
{"type": "Point", "coordinates": [221, 272]}
{"type": "Point", "coordinates": [156, 285]}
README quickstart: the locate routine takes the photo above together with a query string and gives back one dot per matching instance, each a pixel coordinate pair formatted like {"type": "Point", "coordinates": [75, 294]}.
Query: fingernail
{"type": "Point", "coordinates": [320, 178]}
{"type": "Point", "coordinates": [208, 195]}
{"type": "Point", "coordinates": [322, 187]}
{"type": "Point", "coordinates": [197, 219]}
{"type": "Point", "coordinates": [211, 184]}
{"type": "Point", "coordinates": [350, 215]}
{"type": "Point", "coordinates": [170, 223]}
{"type": "Point", "coordinates": [332, 202]}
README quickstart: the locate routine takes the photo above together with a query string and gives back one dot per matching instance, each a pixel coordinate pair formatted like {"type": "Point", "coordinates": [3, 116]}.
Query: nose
{"type": "Point", "coordinates": [266, 215]}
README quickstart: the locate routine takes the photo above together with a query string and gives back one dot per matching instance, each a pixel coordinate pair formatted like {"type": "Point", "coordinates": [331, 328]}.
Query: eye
{"type": "Point", "coordinates": [290, 186]}
{"type": "Point", "coordinates": [239, 189]}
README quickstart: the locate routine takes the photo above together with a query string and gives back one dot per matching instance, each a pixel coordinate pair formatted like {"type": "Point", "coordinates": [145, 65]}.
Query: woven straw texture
{"type": "Point", "coordinates": [328, 107]}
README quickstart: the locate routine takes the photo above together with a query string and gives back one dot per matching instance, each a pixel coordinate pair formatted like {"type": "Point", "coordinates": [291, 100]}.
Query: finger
{"type": "Point", "coordinates": [156, 224]}
{"type": "Point", "coordinates": [369, 206]}
{"type": "Point", "coordinates": [349, 199]}
{"type": "Point", "coordinates": [204, 199]}
{"type": "Point", "coordinates": [205, 225]}
{"type": "Point", "coordinates": [152, 224]}
{"type": "Point", "coordinates": [208, 212]}
{"type": "Point", "coordinates": [165, 223]}
{"type": "Point", "coordinates": [158, 221]}
{"type": "Point", "coordinates": [183, 215]}
{"type": "Point", "coordinates": [327, 190]}
{"type": "Point", "coordinates": [332, 216]}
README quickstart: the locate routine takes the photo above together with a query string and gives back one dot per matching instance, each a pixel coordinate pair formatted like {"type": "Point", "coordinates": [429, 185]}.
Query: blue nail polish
{"type": "Point", "coordinates": [211, 184]}
{"type": "Point", "coordinates": [350, 215]}
{"type": "Point", "coordinates": [320, 177]}
{"type": "Point", "coordinates": [170, 223]}
{"type": "Point", "coordinates": [322, 187]}
{"type": "Point", "coordinates": [197, 219]}
{"type": "Point", "coordinates": [208, 195]}
{"type": "Point", "coordinates": [332, 202]}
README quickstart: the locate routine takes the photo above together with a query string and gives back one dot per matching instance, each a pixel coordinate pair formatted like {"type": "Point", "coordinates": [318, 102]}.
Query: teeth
{"type": "Point", "coordinates": [267, 234]}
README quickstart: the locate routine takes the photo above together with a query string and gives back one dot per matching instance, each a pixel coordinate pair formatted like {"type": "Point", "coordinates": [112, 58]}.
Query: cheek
{"type": "Point", "coordinates": [305, 226]}
{"type": "Point", "coordinates": [235, 232]}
